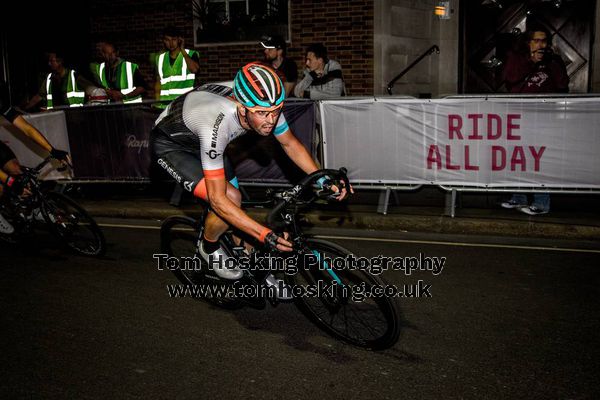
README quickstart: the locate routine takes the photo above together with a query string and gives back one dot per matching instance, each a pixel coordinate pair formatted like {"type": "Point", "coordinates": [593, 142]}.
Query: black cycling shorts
{"type": "Point", "coordinates": [183, 164]}
{"type": "Point", "coordinates": [6, 154]}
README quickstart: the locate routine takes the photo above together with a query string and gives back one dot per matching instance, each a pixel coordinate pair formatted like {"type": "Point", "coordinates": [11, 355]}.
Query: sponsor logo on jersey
{"type": "Point", "coordinates": [213, 139]}
{"type": "Point", "coordinates": [170, 170]}
{"type": "Point", "coordinates": [213, 154]}
{"type": "Point", "coordinates": [189, 185]}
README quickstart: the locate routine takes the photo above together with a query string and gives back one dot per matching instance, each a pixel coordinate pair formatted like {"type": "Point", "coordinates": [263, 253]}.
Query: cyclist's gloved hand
{"type": "Point", "coordinates": [15, 185]}
{"type": "Point", "coordinates": [60, 155]}
{"type": "Point", "coordinates": [276, 242]}
{"type": "Point", "coordinates": [327, 187]}
{"type": "Point", "coordinates": [325, 182]}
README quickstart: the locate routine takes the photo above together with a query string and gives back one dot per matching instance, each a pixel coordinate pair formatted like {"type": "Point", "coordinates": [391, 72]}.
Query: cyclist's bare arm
{"type": "Point", "coordinates": [230, 212]}
{"type": "Point", "coordinates": [300, 156]}
{"type": "Point", "coordinates": [35, 135]}
{"type": "Point", "coordinates": [192, 64]}
{"type": "Point", "coordinates": [4, 177]}
{"type": "Point", "coordinates": [32, 133]}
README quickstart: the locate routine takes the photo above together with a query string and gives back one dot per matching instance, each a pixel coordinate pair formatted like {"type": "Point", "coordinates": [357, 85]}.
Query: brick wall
{"type": "Point", "coordinates": [345, 27]}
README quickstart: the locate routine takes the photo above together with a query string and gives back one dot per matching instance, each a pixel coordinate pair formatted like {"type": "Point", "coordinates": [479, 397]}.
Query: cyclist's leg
{"type": "Point", "coordinates": [10, 166]}
{"type": "Point", "coordinates": [186, 168]}
{"type": "Point", "coordinates": [8, 163]}
{"type": "Point", "coordinates": [8, 160]}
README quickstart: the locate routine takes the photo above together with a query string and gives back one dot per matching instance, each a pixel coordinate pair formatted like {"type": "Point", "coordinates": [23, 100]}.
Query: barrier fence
{"type": "Point", "coordinates": [111, 143]}
{"type": "Point", "coordinates": [466, 143]}
{"type": "Point", "coordinates": [482, 143]}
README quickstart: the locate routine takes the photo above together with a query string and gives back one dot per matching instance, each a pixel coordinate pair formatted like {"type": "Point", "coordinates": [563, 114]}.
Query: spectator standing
{"type": "Point", "coordinates": [121, 79]}
{"type": "Point", "coordinates": [322, 77]}
{"type": "Point", "coordinates": [175, 68]}
{"type": "Point", "coordinates": [275, 56]}
{"type": "Point", "coordinates": [62, 86]}
{"type": "Point", "coordinates": [534, 68]}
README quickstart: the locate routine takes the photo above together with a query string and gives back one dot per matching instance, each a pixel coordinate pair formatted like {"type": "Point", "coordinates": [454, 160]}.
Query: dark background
{"type": "Point", "coordinates": [31, 30]}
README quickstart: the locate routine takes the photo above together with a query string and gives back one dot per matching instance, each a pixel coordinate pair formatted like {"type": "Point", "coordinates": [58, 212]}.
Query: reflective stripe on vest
{"type": "Point", "coordinates": [124, 80]}
{"type": "Point", "coordinates": [75, 97]}
{"type": "Point", "coordinates": [174, 80]}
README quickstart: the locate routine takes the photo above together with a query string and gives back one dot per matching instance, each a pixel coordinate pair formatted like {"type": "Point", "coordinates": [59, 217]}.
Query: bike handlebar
{"type": "Point", "coordinates": [41, 165]}
{"type": "Point", "coordinates": [47, 160]}
{"type": "Point", "coordinates": [293, 194]}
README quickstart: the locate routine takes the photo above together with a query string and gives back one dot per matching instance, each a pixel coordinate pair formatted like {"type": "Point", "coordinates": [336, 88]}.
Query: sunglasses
{"type": "Point", "coordinates": [266, 113]}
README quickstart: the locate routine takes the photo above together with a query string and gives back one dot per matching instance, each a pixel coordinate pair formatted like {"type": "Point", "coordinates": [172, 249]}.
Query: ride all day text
{"type": "Point", "coordinates": [489, 127]}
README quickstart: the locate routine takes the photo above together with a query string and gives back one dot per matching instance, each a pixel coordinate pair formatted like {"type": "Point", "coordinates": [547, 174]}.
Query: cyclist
{"type": "Point", "coordinates": [10, 169]}
{"type": "Point", "coordinates": [189, 141]}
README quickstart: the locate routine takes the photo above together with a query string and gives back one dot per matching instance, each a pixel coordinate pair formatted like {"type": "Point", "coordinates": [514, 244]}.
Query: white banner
{"type": "Point", "coordinates": [54, 128]}
{"type": "Point", "coordinates": [496, 142]}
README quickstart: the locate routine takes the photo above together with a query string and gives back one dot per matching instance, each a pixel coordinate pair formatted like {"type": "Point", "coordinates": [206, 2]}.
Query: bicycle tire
{"type": "Point", "coordinates": [178, 238]}
{"type": "Point", "coordinates": [323, 311]}
{"type": "Point", "coordinates": [73, 225]}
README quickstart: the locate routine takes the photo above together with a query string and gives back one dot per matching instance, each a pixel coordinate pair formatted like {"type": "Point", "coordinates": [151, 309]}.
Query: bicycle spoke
{"type": "Point", "coordinates": [373, 323]}
{"type": "Point", "coordinates": [361, 322]}
{"type": "Point", "coordinates": [73, 225]}
{"type": "Point", "coordinates": [345, 319]}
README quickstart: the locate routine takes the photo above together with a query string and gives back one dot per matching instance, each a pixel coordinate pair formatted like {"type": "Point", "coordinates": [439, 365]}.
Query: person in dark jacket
{"type": "Point", "coordinates": [534, 68]}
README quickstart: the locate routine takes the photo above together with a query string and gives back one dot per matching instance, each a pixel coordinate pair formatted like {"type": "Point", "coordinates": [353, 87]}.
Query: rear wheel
{"type": "Point", "coordinates": [178, 238]}
{"type": "Point", "coordinates": [73, 225]}
{"type": "Point", "coordinates": [373, 323]}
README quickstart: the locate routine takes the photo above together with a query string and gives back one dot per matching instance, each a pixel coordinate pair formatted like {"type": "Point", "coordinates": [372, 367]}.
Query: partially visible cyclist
{"type": "Point", "coordinates": [189, 141]}
{"type": "Point", "coordinates": [10, 169]}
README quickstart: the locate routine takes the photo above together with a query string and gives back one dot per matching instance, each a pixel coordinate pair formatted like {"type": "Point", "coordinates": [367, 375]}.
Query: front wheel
{"type": "Point", "coordinates": [73, 225]}
{"type": "Point", "coordinates": [372, 323]}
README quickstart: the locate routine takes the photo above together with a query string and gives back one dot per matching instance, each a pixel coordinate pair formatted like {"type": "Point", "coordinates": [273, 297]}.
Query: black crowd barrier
{"type": "Point", "coordinates": [111, 143]}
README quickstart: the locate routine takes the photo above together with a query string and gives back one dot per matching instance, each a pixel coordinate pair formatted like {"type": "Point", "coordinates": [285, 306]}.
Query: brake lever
{"type": "Point", "coordinates": [64, 166]}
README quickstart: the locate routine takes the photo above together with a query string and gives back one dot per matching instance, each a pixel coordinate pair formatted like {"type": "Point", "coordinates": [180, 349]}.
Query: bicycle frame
{"type": "Point", "coordinates": [374, 324]}
{"type": "Point", "coordinates": [291, 199]}
{"type": "Point", "coordinates": [64, 217]}
{"type": "Point", "coordinates": [31, 182]}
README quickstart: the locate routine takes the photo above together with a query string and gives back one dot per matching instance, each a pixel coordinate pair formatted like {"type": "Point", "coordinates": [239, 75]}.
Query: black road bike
{"type": "Point", "coordinates": [373, 323]}
{"type": "Point", "coordinates": [64, 218]}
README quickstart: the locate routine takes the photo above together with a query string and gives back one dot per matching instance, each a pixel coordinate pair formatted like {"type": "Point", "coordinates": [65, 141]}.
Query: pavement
{"type": "Point", "coordinates": [574, 217]}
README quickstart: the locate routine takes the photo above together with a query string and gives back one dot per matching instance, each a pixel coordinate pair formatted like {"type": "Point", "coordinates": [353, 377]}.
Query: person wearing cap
{"type": "Point", "coordinates": [322, 76]}
{"type": "Point", "coordinates": [275, 57]}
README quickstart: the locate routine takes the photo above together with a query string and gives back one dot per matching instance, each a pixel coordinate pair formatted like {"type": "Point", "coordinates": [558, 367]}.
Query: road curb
{"type": "Point", "coordinates": [373, 221]}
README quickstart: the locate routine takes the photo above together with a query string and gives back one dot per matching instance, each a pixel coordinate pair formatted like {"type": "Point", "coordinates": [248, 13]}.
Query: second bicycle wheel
{"type": "Point", "coordinates": [372, 323]}
{"type": "Point", "coordinates": [73, 225]}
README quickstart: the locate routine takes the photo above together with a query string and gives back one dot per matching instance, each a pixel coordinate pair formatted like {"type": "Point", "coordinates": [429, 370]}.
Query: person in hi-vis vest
{"type": "Point", "coordinates": [121, 79]}
{"type": "Point", "coordinates": [62, 87]}
{"type": "Point", "coordinates": [175, 68]}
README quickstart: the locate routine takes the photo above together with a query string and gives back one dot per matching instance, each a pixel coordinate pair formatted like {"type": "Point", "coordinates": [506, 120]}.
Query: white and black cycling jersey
{"type": "Point", "coordinates": [205, 120]}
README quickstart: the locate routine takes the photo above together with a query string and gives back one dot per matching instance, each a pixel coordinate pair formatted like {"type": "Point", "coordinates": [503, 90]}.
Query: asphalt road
{"type": "Point", "coordinates": [503, 322]}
